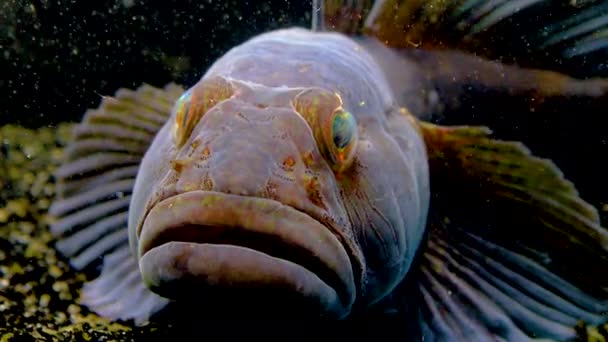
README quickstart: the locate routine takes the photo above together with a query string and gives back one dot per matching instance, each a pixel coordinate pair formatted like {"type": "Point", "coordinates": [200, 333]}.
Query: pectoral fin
{"type": "Point", "coordinates": [94, 186]}
{"type": "Point", "coordinates": [513, 252]}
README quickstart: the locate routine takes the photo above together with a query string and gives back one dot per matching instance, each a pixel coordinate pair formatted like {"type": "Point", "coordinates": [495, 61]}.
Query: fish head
{"type": "Point", "coordinates": [277, 194]}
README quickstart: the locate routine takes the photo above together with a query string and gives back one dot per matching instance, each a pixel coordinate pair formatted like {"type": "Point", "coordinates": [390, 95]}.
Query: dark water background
{"type": "Point", "coordinates": [58, 57]}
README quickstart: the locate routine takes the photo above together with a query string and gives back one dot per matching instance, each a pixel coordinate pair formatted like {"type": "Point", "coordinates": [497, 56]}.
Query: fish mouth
{"type": "Point", "coordinates": [205, 241]}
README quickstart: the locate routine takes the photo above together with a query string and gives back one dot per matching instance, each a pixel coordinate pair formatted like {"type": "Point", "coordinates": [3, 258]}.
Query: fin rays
{"type": "Point", "coordinates": [94, 186]}
{"type": "Point", "coordinates": [72, 244]}
{"type": "Point", "coordinates": [106, 178]}
{"type": "Point", "coordinates": [531, 33]}
{"type": "Point", "coordinates": [497, 301]}
{"type": "Point", "coordinates": [520, 266]}
{"type": "Point", "coordinates": [502, 11]}
{"type": "Point", "coordinates": [100, 248]}
{"type": "Point", "coordinates": [511, 296]}
{"type": "Point", "coordinates": [493, 320]}
{"type": "Point", "coordinates": [510, 239]}
{"type": "Point", "coordinates": [89, 197]}
{"type": "Point", "coordinates": [117, 296]}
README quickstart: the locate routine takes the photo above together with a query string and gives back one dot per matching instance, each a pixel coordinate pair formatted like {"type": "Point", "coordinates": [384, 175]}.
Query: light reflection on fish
{"type": "Point", "coordinates": [302, 174]}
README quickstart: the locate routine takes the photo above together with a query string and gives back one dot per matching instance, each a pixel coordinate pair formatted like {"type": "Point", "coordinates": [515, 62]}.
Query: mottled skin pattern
{"type": "Point", "coordinates": [252, 151]}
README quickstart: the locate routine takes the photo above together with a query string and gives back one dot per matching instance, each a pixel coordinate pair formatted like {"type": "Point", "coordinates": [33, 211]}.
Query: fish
{"type": "Point", "coordinates": [330, 171]}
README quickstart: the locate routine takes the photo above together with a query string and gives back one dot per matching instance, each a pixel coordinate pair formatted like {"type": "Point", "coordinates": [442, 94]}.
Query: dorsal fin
{"type": "Point", "coordinates": [565, 36]}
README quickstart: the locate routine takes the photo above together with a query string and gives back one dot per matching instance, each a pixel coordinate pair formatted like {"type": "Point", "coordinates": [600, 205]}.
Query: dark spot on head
{"type": "Point", "coordinates": [242, 116]}
{"type": "Point", "coordinates": [207, 183]}
{"type": "Point", "coordinates": [195, 144]}
{"type": "Point", "coordinates": [289, 163]}
{"type": "Point", "coordinates": [270, 190]}
{"type": "Point", "coordinates": [206, 153]}
{"type": "Point", "coordinates": [178, 164]}
{"type": "Point", "coordinates": [351, 177]}
{"type": "Point", "coordinates": [314, 195]}
{"type": "Point", "coordinates": [281, 136]}
{"type": "Point", "coordinates": [308, 159]}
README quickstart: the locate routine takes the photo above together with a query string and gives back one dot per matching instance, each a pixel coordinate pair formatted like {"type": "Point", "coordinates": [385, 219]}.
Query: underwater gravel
{"type": "Point", "coordinates": [39, 291]}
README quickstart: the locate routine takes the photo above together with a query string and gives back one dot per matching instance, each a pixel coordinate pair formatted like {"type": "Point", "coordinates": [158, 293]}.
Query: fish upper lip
{"type": "Point", "coordinates": [215, 213]}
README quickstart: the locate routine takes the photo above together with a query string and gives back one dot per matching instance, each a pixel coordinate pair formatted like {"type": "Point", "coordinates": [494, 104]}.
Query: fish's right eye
{"type": "Point", "coordinates": [195, 102]}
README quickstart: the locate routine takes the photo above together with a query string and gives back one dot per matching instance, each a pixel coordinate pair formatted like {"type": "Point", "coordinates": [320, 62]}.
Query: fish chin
{"type": "Point", "coordinates": [242, 251]}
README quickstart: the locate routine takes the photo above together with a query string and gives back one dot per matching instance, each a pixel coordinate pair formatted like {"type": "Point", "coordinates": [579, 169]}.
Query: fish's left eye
{"type": "Point", "coordinates": [341, 136]}
{"type": "Point", "coordinates": [195, 102]}
{"type": "Point", "coordinates": [334, 128]}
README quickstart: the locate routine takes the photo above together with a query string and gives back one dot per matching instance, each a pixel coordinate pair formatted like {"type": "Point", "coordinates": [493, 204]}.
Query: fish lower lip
{"type": "Point", "coordinates": [209, 239]}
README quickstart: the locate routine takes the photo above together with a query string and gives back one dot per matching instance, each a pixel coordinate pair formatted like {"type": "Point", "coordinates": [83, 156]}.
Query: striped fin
{"type": "Point", "coordinates": [513, 253]}
{"type": "Point", "coordinates": [94, 186]}
{"type": "Point", "coordinates": [565, 36]}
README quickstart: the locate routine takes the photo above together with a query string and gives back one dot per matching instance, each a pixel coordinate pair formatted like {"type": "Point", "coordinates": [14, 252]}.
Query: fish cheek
{"type": "Point", "coordinates": [387, 213]}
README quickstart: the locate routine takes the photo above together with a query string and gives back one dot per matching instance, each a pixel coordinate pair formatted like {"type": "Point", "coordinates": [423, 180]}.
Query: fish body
{"type": "Point", "coordinates": [302, 175]}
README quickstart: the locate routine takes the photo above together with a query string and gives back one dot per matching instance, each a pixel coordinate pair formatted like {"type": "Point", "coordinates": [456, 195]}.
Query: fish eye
{"type": "Point", "coordinates": [195, 102]}
{"type": "Point", "coordinates": [343, 136]}
{"type": "Point", "coordinates": [334, 128]}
